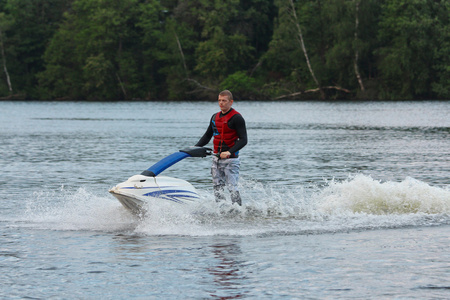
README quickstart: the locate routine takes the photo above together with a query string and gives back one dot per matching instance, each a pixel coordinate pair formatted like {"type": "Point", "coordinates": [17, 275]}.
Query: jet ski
{"type": "Point", "coordinates": [139, 191]}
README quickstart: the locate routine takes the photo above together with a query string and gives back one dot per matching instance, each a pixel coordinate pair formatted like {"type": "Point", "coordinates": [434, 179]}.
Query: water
{"type": "Point", "coordinates": [341, 201]}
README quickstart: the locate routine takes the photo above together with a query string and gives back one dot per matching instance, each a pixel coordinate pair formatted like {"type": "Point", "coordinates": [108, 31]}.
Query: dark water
{"type": "Point", "coordinates": [341, 201]}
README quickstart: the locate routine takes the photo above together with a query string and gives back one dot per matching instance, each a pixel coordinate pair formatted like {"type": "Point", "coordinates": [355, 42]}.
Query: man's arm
{"type": "Point", "coordinates": [238, 124]}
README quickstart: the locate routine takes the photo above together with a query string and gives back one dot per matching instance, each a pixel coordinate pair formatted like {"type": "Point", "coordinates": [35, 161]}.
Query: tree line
{"type": "Point", "coordinates": [259, 49]}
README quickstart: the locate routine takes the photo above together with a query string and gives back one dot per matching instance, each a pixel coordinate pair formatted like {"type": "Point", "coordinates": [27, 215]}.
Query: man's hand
{"type": "Point", "coordinates": [225, 154]}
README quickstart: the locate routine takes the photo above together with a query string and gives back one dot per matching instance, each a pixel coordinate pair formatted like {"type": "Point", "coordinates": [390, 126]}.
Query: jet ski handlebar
{"type": "Point", "coordinates": [196, 151]}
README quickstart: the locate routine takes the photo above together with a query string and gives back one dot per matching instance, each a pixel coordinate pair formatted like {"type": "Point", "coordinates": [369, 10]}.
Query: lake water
{"type": "Point", "coordinates": [347, 200]}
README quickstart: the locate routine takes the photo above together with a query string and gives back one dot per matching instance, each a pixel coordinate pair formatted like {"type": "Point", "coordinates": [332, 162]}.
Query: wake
{"type": "Point", "coordinates": [357, 203]}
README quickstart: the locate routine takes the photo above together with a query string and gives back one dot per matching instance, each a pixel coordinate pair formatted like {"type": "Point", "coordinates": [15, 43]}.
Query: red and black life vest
{"type": "Point", "coordinates": [222, 133]}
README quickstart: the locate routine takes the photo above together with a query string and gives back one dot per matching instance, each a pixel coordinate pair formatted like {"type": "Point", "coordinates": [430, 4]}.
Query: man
{"type": "Point", "coordinates": [230, 135]}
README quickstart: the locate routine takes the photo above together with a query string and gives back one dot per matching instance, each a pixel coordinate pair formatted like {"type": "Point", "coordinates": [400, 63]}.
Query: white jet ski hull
{"type": "Point", "coordinates": [140, 192]}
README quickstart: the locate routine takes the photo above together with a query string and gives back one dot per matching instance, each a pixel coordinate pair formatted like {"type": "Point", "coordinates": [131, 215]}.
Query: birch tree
{"type": "Point", "coordinates": [358, 75]}
{"type": "Point", "coordinates": [302, 44]}
{"type": "Point", "coordinates": [4, 24]}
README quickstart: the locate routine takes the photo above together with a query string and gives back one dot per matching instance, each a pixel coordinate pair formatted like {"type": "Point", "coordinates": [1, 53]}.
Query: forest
{"type": "Point", "coordinates": [109, 50]}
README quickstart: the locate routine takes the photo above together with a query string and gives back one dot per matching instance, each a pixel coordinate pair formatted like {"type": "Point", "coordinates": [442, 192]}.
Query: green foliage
{"type": "Point", "coordinates": [178, 49]}
{"type": "Point", "coordinates": [5, 24]}
{"type": "Point", "coordinates": [105, 53]}
{"type": "Point", "coordinates": [406, 60]}
{"type": "Point", "coordinates": [241, 84]}
{"type": "Point", "coordinates": [34, 22]}
{"type": "Point", "coordinates": [284, 61]}
{"type": "Point", "coordinates": [222, 55]}
{"type": "Point", "coordinates": [441, 53]}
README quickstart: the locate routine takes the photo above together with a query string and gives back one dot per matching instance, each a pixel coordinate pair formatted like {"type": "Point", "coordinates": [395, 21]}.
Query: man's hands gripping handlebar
{"type": "Point", "coordinates": [223, 155]}
{"type": "Point", "coordinates": [196, 151]}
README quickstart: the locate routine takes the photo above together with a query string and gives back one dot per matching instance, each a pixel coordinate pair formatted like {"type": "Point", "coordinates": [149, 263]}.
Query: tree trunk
{"type": "Point", "coordinates": [300, 39]}
{"type": "Point", "coordinates": [122, 86]}
{"type": "Point", "coordinates": [188, 79]}
{"type": "Point", "coordinates": [358, 76]}
{"type": "Point", "coordinates": [5, 69]}
{"type": "Point", "coordinates": [182, 54]}
{"type": "Point", "coordinates": [124, 91]}
{"type": "Point", "coordinates": [313, 91]}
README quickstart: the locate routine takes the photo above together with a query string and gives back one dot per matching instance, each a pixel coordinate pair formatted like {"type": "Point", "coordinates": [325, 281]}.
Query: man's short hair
{"type": "Point", "coordinates": [226, 93]}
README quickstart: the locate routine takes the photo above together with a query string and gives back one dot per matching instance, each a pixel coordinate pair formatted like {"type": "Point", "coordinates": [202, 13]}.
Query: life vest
{"type": "Point", "coordinates": [222, 133]}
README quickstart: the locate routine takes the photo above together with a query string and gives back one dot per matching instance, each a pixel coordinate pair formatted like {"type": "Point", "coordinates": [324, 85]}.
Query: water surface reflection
{"type": "Point", "coordinates": [228, 273]}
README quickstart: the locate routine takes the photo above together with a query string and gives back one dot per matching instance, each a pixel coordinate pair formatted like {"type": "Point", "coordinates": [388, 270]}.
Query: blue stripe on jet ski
{"type": "Point", "coordinates": [148, 187]}
{"type": "Point", "coordinates": [166, 195]}
{"type": "Point", "coordinates": [140, 188]}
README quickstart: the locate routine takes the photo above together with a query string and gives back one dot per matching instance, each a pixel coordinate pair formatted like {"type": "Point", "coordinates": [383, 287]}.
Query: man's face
{"type": "Point", "coordinates": [225, 103]}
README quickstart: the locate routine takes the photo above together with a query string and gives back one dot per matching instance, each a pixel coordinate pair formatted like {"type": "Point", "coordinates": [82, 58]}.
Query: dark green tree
{"type": "Point", "coordinates": [441, 53]}
{"type": "Point", "coordinates": [284, 63]}
{"type": "Point", "coordinates": [34, 22]}
{"type": "Point", "coordinates": [409, 35]}
{"type": "Point", "coordinates": [5, 85]}
{"type": "Point", "coordinates": [102, 50]}
{"type": "Point", "coordinates": [261, 49]}
{"type": "Point", "coordinates": [221, 39]}
{"type": "Point", "coordinates": [353, 29]}
{"type": "Point", "coordinates": [297, 53]}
